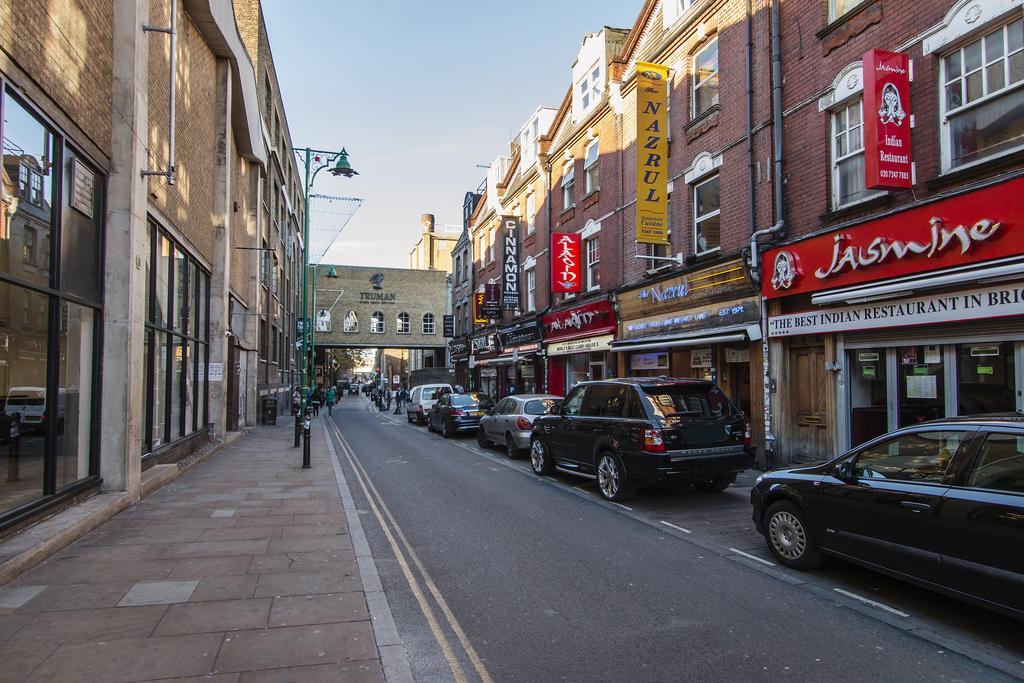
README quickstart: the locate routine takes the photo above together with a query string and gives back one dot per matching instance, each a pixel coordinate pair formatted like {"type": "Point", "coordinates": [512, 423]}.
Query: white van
{"type": "Point", "coordinates": [29, 404]}
{"type": "Point", "coordinates": [422, 399]}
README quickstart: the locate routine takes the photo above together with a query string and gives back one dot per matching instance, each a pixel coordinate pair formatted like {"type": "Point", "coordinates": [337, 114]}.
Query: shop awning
{"type": "Point", "coordinates": [506, 359]}
{"type": "Point", "coordinates": [720, 335]}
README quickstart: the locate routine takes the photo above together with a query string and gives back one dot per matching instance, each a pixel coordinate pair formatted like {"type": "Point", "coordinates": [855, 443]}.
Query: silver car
{"type": "Point", "coordinates": [510, 422]}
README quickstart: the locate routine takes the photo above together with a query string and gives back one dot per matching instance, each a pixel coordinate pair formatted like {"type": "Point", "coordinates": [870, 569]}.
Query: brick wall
{"type": "Point", "coordinates": [66, 48]}
{"type": "Point", "coordinates": [189, 202]}
{"type": "Point", "coordinates": [813, 55]}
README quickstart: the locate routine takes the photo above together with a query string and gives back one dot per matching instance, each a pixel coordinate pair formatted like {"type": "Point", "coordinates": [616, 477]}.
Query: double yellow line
{"type": "Point", "coordinates": [404, 552]}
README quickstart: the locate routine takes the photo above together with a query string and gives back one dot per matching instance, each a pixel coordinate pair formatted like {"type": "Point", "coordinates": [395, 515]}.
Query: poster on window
{"type": "Point", "coordinates": [323, 320]}
{"type": "Point", "coordinates": [888, 160]}
{"type": "Point", "coordinates": [510, 264]}
{"type": "Point", "coordinates": [651, 153]}
{"type": "Point", "coordinates": [565, 263]}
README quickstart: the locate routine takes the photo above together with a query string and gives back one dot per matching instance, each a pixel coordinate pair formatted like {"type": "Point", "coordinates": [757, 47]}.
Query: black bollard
{"type": "Point", "coordinates": [305, 443]}
{"type": "Point", "coordinates": [298, 427]}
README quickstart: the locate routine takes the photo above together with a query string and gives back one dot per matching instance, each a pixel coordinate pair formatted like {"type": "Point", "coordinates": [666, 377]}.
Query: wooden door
{"type": "Point", "coordinates": [807, 395]}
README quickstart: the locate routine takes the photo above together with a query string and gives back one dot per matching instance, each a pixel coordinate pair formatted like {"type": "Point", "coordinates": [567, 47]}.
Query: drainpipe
{"type": "Point", "coordinates": [755, 260]}
{"type": "Point", "coordinates": [172, 33]}
{"type": "Point", "coordinates": [749, 48]}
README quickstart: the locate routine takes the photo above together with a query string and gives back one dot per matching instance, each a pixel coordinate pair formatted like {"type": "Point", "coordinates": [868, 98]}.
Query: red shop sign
{"type": "Point", "coordinates": [565, 262]}
{"type": "Point", "coordinates": [888, 160]}
{"type": "Point", "coordinates": [972, 228]}
{"type": "Point", "coordinates": [588, 320]}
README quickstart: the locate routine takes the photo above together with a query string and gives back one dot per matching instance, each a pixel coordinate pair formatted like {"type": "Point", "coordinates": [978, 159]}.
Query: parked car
{"type": "Point", "coordinates": [353, 389]}
{"type": "Point", "coordinates": [510, 423]}
{"type": "Point", "coordinates": [10, 428]}
{"type": "Point", "coordinates": [645, 429]}
{"type": "Point", "coordinates": [453, 413]}
{"type": "Point", "coordinates": [939, 504]}
{"type": "Point", "coordinates": [422, 399]}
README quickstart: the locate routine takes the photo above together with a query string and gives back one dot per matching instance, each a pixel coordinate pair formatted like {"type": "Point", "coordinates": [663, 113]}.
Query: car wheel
{"type": "Point", "coordinates": [430, 425]}
{"type": "Point", "coordinates": [481, 438]}
{"type": "Point", "coordinates": [789, 536]}
{"type": "Point", "coordinates": [446, 430]}
{"type": "Point", "coordinates": [713, 485]}
{"type": "Point", "coordinates": [611, 479]}
{"type": "Point", "coordinates": [510, 448]}
{"type": "Point", "coordinates": [540, 459]}
{"type": "Point", "coordinates": [408, 417]}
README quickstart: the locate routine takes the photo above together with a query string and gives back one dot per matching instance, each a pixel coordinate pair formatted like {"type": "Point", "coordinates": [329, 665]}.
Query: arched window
{"type": "Point", "coordinates": [428, 323]}
{"type": "Point", "coordinates": [377, 323]}
{"type": "Point", "coordinates": [403, 324]}
{"type": "Point", "coordinates": [351, 323]}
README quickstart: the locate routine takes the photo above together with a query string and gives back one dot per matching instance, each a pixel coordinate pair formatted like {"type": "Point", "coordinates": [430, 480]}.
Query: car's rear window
{"type": "Point", "coordinates": [430, 393]}
{"type": "Point", "coordinates": [23, 400]}
{"type": "Point", "coordinates": [542, 406]}
{"type": "Point", "coordinates": [674, 402]}
{"type": "Point", "coordinates": [469, 399]}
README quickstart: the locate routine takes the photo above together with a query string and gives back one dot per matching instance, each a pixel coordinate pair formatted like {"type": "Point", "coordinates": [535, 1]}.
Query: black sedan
{"type": "Point", "coordinates": [454, 413]}
{"type": "Point", "coordinates": [940, 504]}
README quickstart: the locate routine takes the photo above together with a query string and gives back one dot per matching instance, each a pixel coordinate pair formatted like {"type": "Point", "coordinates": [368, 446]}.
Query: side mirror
{"type": "Point", "coordinates": [844, 470]}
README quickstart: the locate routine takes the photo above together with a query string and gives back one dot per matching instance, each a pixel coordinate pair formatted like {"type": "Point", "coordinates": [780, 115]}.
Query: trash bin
{"type": "Point", "coordinates": [269, 413]}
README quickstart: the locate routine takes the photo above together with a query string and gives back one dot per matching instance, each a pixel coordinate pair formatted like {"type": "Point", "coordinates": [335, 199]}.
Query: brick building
{"type": "Point", "coordinates": [129, 242]}
{"type": "Point", "coordinates": [862, 376]}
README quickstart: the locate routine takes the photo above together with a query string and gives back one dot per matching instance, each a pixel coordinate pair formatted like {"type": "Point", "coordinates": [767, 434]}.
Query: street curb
{"type": "Point", "coordinates": [394, 658]}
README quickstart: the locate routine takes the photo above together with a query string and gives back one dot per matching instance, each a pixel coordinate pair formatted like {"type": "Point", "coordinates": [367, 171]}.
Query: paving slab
{"type": "Point", "coordinates": [297, 646]}
{"type": "Point", "coordinates": [353, 672]}
{"type": "Point", "coordinates": [134, 659]}
{"type": "Point", "coordinates": [158, 593]}
{"type": "Point", "coordinates": [299, 610]}
{"type": "Point", "coordinates": [214, 617]}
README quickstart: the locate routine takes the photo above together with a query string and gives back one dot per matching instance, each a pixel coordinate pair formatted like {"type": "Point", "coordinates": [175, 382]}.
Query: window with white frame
{"type": "Point", "coordinates": [531, 209]}
{"type": "Point", "coordinates": [837, 8]}
{"type": "Point", "coordinates": [707, 227]}
{"type": "Point", "coordinates": [848, 155]}
{"type": "Point", "coordinates": [490, 245]}
{"type": "Point", "coordinates": [592, 251]}
{"type": "Point", "coordinates": [705, 78]}
{"type": "Point", "coordinates": [983, 95]}
{"type": "Point", "coordinates": [377, 322]}
{"type": "Point", "coordinates": [589, 88]}
{"type": "Point", "coordinates": [590, 167]}
{"type": "Point", "coordinates": [428, 323]}
{"type": "Point", "coordinates": [403, 323]}
{"type": "Point", "coordinates": [351, 322]}
{"type": "Point", "coordinates": [568, 172]}
{"type": "Point", "coordinates": [531, 289]}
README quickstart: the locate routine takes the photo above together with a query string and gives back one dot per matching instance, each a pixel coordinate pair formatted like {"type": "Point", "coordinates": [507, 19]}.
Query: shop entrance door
{"type": "Point", "coordinates": [807, 387]}
{"type": "Point", "coordinates": [739, 386]}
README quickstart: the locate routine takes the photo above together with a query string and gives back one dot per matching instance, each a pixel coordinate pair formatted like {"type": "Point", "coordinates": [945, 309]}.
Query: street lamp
{"type": "Point", "coordinates": [314, 161]}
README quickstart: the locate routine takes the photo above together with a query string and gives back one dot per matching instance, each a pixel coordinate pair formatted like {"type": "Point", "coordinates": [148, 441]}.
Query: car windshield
{"type": "Point", "coordinates": [542, 406]}
{"type": "Point", "coordinates": [682, 401]}
{"type": "Point", "coordinates": [430, 393]}
{"type": "Point", "coordinates": [471, 398]}
{"type": "Point", "coordinates": [25, 400]}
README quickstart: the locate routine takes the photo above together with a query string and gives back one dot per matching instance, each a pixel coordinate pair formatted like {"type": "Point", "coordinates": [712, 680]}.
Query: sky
{"type": "Point", "coordinates": [420, 94]}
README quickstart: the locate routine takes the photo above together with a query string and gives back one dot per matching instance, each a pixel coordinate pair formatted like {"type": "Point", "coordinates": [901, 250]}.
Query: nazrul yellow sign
{"type": "Point", "coordinates": [651, 153]}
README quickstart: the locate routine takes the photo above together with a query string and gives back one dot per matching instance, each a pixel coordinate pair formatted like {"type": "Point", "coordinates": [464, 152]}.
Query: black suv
{"type": "Point", "coordinates": [644, 429]}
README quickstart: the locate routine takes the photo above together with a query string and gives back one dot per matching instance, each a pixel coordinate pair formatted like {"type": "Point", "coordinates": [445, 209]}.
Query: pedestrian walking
{"type": "Point", "coordinates": [331, 397]}
{"type": "Point", "coordinates": [400, 398]}
{"type": "Point", "coordinates": [387, 399]}
{"type": "Point", "coordinates": [315, 397]}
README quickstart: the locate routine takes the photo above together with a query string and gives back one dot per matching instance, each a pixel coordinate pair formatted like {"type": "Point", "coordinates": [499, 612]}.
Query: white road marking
{"type": "Point", "coordinates": [677, 528]}
{"type": "Point", "coordinates": [868, 601]}
{"type": "Point", "coordinates": [622, 506]}
{"type": "Point", "coordinates": [755, 558]}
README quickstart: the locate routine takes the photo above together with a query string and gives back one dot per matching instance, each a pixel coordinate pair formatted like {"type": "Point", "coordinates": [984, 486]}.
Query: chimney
{"type": "Point", "coordinates": [427, 222]}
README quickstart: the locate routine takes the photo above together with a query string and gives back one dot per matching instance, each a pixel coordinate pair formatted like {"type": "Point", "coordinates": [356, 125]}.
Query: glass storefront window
{"type": "Point", "coordinates": [81, 214]}
{"type": "Point", "coordinates": [177, 367]}
{"type": "Point", "coordinates": [74, 400]}
{"type": "Point", "coordinates": [868, 391]}
{"type": "Point", "coordinates": [163, 281]}
{"type": "Point", "coordinates": [161, 348]}
{"type": "Point", "coordinates": [985, 378]}
{"type": "Point", "coordinates": [180, 291]}
{"type": "Point", "coordinates": [23, 363]}
{"type": "Point", "coordinates": [922, 384]}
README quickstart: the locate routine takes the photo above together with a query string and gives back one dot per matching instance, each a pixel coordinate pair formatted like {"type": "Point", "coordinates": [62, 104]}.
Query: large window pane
{"type": "Point", "coordinates": [22, 382]}
{"type": "Point", "coordinates": [177, 368]}
{"type": "Point", "coordinates": [922, 384]}
{"type": "Point", "coordinates": [193, 295]}
{"type": "Point", "coordinates": [147, 391]}
{"type": "Point", "coordinates": [74, 399]}
{"type": "Point", "coordinates": [202, 361]}
{"type": "Point", "coordinates": [990, 128]}
{"type": "Point", "coordinates": [160, 389]}
{"type": "Point", "coordinates": [190, 388]}
{"type": "Point", "coordinates": [28, 154]}
{"type": "Point", "coordinates": [180, 290]}
{"type": "Point", "coordinates": [80, 228]}
{"type": "Point", "coordinates": [163, 278]}
{"type": "Point", "coordinates": [985, 378]}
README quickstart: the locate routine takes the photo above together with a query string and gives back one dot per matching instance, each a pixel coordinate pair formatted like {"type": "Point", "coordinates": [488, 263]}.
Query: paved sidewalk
{"type": "Point", "coordinates": [240, 570]}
